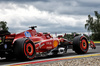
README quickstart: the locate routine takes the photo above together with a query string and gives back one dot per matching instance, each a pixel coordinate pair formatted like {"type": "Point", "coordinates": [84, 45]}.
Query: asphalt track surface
{"type": "Point", "coordinates": [68, 54]}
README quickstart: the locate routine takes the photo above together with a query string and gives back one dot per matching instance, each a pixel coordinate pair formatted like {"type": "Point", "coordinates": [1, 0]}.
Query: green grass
{"type": "Point", "coordinates": [96, 41]}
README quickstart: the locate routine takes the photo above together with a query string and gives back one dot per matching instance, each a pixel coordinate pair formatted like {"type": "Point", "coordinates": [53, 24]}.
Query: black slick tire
{"type": "Point", "coordinates": [24, 49]}
{"type": "Point", "coordinates": [80, 45]}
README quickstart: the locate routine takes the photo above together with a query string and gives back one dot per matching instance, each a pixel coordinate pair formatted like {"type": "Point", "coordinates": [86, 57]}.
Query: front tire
{"type": "Point", "coordinates": [80, 45]}
{"type": "Point", "coordinates": [24, 49]}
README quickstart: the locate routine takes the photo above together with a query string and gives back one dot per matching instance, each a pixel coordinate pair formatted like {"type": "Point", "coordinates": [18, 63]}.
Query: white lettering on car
{"type": "Point", "coordinates": [50, 47]}
{"type": "Point", "coordinates": [48, 43]}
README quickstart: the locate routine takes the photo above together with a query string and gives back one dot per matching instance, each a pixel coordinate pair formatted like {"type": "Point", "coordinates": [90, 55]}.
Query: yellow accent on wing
{"type": "Point", "coordinates": [55, 43]}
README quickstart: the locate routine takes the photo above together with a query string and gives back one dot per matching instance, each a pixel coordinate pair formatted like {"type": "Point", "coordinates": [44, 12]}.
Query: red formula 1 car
{"type": "Point", "coordinates": [30, 44]}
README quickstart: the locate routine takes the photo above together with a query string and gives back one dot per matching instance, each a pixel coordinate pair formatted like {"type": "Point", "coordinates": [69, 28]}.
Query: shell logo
{"type": "Point", "coordinates": [55, 43]}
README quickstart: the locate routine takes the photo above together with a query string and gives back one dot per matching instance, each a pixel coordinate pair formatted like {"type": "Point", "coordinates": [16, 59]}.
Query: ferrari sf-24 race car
{"type": "Point", "coordinates": [29, 44]}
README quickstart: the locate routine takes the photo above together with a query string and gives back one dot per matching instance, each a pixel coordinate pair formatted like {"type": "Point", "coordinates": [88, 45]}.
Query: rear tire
{"type": "Point", "coordinates": [24, 49]}
{"type": "Point", "coordinates": [80, 45]}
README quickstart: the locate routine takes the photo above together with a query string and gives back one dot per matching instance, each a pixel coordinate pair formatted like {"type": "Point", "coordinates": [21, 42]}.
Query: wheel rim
{"type": "Point", "coordinates": [84, 44]}
{"type": "Point", "coordinates": [29, 49]}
